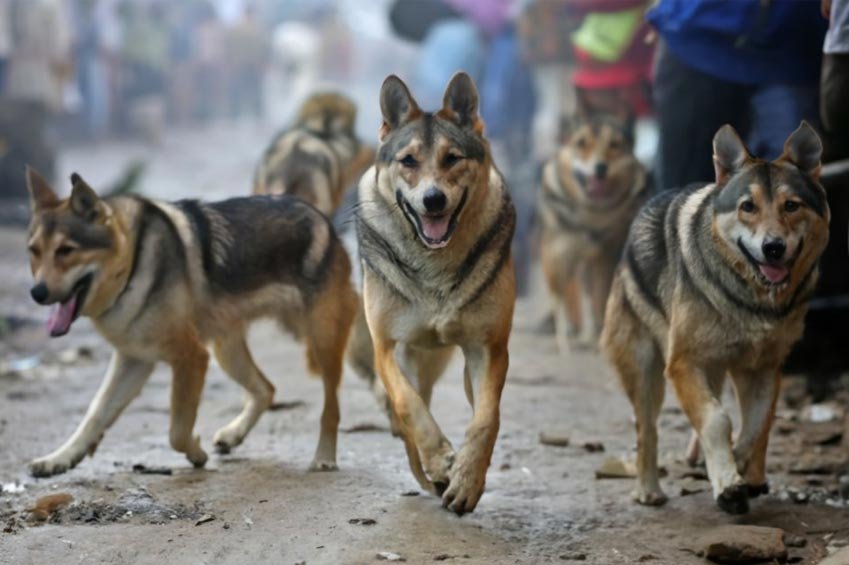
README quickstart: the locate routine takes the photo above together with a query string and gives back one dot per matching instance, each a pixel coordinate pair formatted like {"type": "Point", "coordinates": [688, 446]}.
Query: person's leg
{"type": "Point", "coordinates": [834, 111]}
{"type": "Point", "coordinates": [776, 112]}
{"type": "Point", "coordinates": [691, 106]}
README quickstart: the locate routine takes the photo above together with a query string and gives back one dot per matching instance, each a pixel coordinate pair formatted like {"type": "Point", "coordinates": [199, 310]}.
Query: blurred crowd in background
{"type": "Point", "coordinates": [91, 70]}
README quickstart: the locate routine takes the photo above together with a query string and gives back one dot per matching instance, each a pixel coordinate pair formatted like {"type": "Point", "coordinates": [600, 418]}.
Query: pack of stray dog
{"type": "Point", "coordinates": [689, 287]}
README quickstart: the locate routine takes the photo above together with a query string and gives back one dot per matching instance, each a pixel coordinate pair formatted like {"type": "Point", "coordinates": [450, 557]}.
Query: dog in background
{"type": "Point", "coordinates": [435, 224]}
{"type": "Point", "coordinates": [319, 157]}
{"type": "Point", "coordinates": [591, 191]}
{"type": "Point", "coordinates": [715, 282]}
{"type": "Point", "coordinates": [162, 280]}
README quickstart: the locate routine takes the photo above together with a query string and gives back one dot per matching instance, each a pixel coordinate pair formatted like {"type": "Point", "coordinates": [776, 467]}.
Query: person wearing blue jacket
{"type": "Point", "coordinates": [752, 63]}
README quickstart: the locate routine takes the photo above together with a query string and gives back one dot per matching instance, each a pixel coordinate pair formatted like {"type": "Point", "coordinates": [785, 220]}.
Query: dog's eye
{"type": "Point", "coordinates": [452, 159]}
{"type": "Point", "coordinates": [64, 250]}
{"type": "Point", "coordinates": [748, 206]}
{"type": "Point", "coordinates": [791, 206]}
{"type": "Point", "coordinates": [409, 161]}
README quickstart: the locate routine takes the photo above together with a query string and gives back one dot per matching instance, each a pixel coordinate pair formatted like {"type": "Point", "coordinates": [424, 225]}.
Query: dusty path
{"type": "Point", "coordinates": [542, 503]}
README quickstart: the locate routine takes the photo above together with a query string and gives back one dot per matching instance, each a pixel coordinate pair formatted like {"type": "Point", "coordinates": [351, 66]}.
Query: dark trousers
{"type": "Point", "coordinates": [834, 104]}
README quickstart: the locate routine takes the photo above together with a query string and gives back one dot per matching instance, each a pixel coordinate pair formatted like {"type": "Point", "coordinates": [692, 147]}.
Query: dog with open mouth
{"type": "Point", "coordinates": [714, 283]}
{"type": "Point", "coordinates": [591, 190]}
{"type": "Point", "coordinates": [435, 224]}
{"type": "Point", "coordinates": [160, 281]}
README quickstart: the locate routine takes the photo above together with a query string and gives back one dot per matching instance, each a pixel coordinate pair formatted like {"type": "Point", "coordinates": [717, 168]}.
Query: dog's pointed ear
{"type": "Point", "coordinates": [396, 104]}
{"type": "Point", "coordinates": [461, 101]}
{"type": "Point", "coordinates": [84, 201]}
{"type": "Point", "coordinates": [804, 149]}
{"type": "Point", "coordinates": [41, 195]}
{"type": "Point", "coordinates": [729, 153]}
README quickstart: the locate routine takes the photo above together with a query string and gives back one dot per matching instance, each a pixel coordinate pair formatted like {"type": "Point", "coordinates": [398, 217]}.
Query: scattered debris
{"type": "Point", "coordinates": [388, 556]}
{"type": "Point", "coordinates": [593, 446]}
{"type": "Point", "coordinates": [505, 467]}
{"type": "Point", "coordinates": [791, 540]}
{"type": "Point", "coordinates": [363, 521]}
{"type": "Point", "coordinates": [145, 470]}
{"type": "Point", "coordinates": [614, 468]}
{"type": "Point", "coordinates": [443, 557]}
{"type": "Point", "coordinates": [574, 557]}
{"type": "Point", "coordinates": [647, 557]}
{"type": "Point", "coordinates": [20, 365]}
{"type": "Point", "coordinates": [226, 525]}
{"type": "Point", "coordinates": [692, 486]}
{"type": "Point", "coordinates": [204, 519]}
{"type": "Point", "coordinates": [818, 413]}
{"type": "Point", "coordinates": [12, 488]}
{"type": "Point", "coordinates": [248, 521]}
{"type": "Point", "coordinates": [742, 544]}
{"type": "Point", "coordinates": [365, 427]}
{"type": "Point", "coordinates": [48, 505]}
{"type": "Point", "coordinates": [410, 493]}
{"type": "Point", "coordinates": [286, 405]}
{"type": "Point", "coordinates": [824, 434]}
{"type": "Point", "coordinates": [813, 464]}
{"type": "Point", "coordinates": [554, 440]}
{"type": "Point", "coordinates": [74, 355]}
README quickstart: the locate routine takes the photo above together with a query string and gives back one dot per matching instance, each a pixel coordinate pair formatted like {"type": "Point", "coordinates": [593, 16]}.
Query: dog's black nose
{"type": "Point", "coordinates": [435, 200]}
{"type": "Point", "coordinates": [774, 249]}
{"type": "Point", "coordinates": [39, 293]}
{"type": "Point", "coordinates": [601, 170]}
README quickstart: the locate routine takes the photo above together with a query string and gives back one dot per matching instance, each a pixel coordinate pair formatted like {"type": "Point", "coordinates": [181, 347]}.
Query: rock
{"type": "Point", "coordinates": [363, 521]}
{"type": "Point", "coordinates": [741, 544]}
{"type": "Point", "coordinates": [614, 468]}
{"type": "Point", "coordinates": [204, 519]}
{"type": "Point", "coordinates": [48, 505]}
{"type": "Point", "coordinates": [692, 486]}
{"type": "Point", "coordinates": [145, 470]}
{"type": "Point", "coordinates": [839, 558]}
{"type": "Point", "coordinates": [388, 556]}
{"type": "Point", "coordinates": [593, 446]}
{"type": "Point", "coordinates": [791, 540]}
{"type": "Point", "coordinates": [555, 440]}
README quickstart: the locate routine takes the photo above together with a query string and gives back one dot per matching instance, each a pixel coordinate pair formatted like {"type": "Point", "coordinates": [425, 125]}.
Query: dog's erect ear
{"type": "Point", "coordinates": [84, 201]}
{"type": "Point", "coordinates": [41, 195]}
{"type": "Point", "coordinates": [729, 153]}
{"type": "Point", "coordinates": [460, 102]}
{"type": "Point", "coordinates": [804, 149]}
{"type": "Point", "coordinates": [396, 104]}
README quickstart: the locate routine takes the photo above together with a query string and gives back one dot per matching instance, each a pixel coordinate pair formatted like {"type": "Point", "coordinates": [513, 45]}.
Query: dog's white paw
{"type": "Point", "coordinates": [321, 465]}
{"type": "Point", "coordinates": [52, 465]}
{"type": "Point", "coordinates": [649, 496]}
{"type": "Point", "coordinates": [226, 439]}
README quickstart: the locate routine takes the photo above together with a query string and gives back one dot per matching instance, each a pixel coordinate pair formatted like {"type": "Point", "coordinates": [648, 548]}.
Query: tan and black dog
{"type": "Point", "coordinates": [319, 157]}
{"type": "Point", "coordinates": [715, 282]}
{"type": "Point", "coordinates": [591, 191]}
{"type": "Point", "coordinates": [435, 224]}
{"type": "Point", "coordinates": [162, 280]}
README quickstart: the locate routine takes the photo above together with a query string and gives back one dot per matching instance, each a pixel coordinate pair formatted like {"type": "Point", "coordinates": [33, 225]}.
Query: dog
{"type": "Point", "coordinates": [319, 157]}
{"type": "Point", "coordinates": [434, 225]}
{"type": "Point", "coordinates": [591, 190]}
{"type": "Point", "coordinates": [715, 281]}
{"type": "Point", "coordinates": [161, 280]}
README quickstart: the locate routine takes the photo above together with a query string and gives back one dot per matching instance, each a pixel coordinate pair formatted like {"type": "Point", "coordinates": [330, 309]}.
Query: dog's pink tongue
{"type": "Point", "coordinates": [775, 273]}
{"type": "Point", "coordinates": [435, 228]}
{"type": "Point", "coordinates": [61, 317]}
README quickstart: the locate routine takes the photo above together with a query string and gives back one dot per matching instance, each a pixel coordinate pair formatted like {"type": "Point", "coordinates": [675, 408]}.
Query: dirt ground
{"type": "Point", "coordinates": [259, 504]}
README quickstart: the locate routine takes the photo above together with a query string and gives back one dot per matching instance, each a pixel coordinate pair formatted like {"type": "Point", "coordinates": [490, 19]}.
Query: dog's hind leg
{"type": "Point", "coordinates": [124, 379]}
{"type": "Point", "coordinates": [567, 314]}
{"type": "Point", "coordinates": [188, 363]}
{"type": "Point", "coordinates": [233, 355]}
{"type": "Point", "coordinates": [757, 393]}
{"type": "Point", "coordinates": [639, 363]}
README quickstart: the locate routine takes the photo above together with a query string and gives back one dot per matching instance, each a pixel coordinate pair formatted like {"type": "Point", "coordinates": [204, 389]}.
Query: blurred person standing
{"type": "Point", "coordinates": [39, 67]}
{"type": "Point", "coordinates": [752, 63]}
{"type": "Point", "coordinates": [91, 53]}
{"type": "Point", "coordinates": [208, 62]}
{"type": "Point", "coordinates": [5, 41]}
{"type": "Point", "coordinates": [247, 57]}
{"type": "Point", "coordinates": [834, 83]}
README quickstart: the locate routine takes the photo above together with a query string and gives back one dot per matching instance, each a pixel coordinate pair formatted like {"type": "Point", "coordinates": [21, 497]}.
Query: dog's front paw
{"type": "Point", "coordinates": [734, 499]}
{"type": "Point", "coordinates": [319, 465]}
{"type": "Point", "coordinates": [52, 465]}
{"type": "Point", "coordinates": [649, 496]}
{"type": "Point", "coordinates": [467, 478]}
